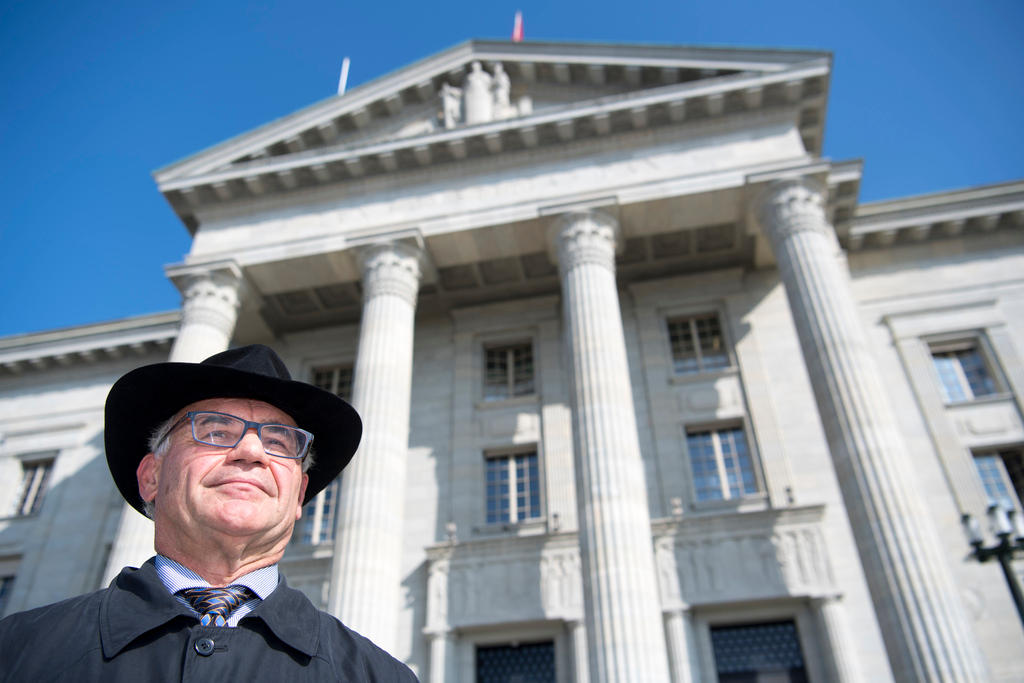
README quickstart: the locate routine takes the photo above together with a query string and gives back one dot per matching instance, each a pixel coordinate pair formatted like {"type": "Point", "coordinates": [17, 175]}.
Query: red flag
{"type": "Point", "coordinates": [517, 28]}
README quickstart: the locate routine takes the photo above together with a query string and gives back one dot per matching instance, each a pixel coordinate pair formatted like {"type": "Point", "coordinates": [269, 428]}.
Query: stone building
{"type": "Point", "coordinates": [649, 394]}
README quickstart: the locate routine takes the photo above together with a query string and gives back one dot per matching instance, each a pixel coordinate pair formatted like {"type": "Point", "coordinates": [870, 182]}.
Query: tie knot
{"type": "Point", "coordinates": [216, 604]}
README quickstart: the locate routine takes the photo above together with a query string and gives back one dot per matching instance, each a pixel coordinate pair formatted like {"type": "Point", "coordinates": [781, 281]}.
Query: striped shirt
{"type": "Point", "coordinates": [175, 577]}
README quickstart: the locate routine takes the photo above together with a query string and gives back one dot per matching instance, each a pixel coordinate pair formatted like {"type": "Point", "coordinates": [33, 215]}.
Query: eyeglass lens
{"type": "Point", "coordinates": [220, 429]}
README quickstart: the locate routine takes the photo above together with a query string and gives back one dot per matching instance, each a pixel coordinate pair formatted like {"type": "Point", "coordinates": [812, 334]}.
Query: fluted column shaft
{"type": "Point", "coordinates": [210, 303]}
{"type": "Point", "coordinates": [923, 621]}
{"type": "Point", "coordinates": [366, 580]}
{"type": "Point", "coordinates": [623, 618]}
{"type": "Point", "coordinates": [679, 635]}
{"type": "Point", "coordinates": [580, 658]}
{"type": "Point", "coordinates": [832, 621]}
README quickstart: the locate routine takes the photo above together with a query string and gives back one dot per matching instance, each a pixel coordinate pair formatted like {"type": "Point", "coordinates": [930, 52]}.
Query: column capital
{"type": "Point", "coordinates": [585, 236]}
{"type": "Point", "coordinates": [789, 206]}
{"type": "Point", "coordinates": [391, 268]}
{"type": "Point", "coordinates": [212, 295]}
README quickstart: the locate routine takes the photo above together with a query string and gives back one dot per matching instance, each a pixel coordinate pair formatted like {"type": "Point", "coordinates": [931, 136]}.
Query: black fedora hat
{"type": "Point", "coordinates": [146, 397]}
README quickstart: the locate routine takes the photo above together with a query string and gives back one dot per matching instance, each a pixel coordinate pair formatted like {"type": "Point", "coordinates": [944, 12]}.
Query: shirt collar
{"type": "Point", "coordinates": [176, 577]}
{"type": "Point", "coordinates": [138, 601]}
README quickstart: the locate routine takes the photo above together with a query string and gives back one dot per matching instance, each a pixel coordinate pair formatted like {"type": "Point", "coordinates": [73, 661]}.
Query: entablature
{"type": "Point", "coordinates": [978, 210]}
{"type": "Point", "coordinates": [89, 344]}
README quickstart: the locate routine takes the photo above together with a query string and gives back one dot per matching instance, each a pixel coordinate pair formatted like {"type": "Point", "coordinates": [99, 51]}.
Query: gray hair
{"type": "Point", "coordinates": [159, 443]}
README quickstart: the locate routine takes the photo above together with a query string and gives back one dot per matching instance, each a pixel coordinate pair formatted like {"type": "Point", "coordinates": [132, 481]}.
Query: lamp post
{"type": "Point", "coordinates": [1008, 527]}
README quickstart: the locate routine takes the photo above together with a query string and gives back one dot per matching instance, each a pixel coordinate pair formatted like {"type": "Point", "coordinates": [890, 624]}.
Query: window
{"type": "Point", "coordinates": [34, 478]}
{"type": "Point", "coordinates": [6, 586]}
{"type": "Point", "coordinates": [721, 464]}
{"type": "Point", "coordinates": [751, 653]}
{"type": "Point", "coordinates": [963, 373]}
{"type": "Point", "coordinates": [318, 514]}
{"type": "Point", "coordinates": [697, 344]}
{"type": "Point", "coordinates": [520, 663]}
{"type": "Point", "coordinates": [1002, 474]}
{"type": "Point", "coordinates": [508, 371]}
{"type": "Point", "coordinates": [513, 487]}
{"type": "Point", "coordinates": [336, 379]}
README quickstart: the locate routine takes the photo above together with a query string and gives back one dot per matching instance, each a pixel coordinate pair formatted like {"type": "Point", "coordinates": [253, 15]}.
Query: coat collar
{"type": "Point", "coordinates": [137, 602]}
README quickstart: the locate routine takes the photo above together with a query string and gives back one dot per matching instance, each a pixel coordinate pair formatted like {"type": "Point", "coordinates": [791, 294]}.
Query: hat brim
{"type": "Point", "coordinates": [145, 397]}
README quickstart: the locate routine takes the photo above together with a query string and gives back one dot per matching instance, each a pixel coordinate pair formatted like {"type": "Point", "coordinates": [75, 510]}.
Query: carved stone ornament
{"type": "Point", "coordinates": [483, 97]}
{"type": "Point", "coordinates": [211, 299]}
{"type": "Point", "coordinates": [586, 237]}
{"type": "Point", "coordinates": [391, 269]}
{"type": "Point", "coordinates": [790, 206]}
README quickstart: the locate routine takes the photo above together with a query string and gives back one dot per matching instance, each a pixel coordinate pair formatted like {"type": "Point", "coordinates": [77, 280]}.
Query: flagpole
{"type": "Point", "coordinates": [343, 79]}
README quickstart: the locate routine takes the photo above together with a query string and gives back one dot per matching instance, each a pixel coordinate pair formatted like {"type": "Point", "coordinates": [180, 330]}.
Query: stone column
{"type": "Point", "coordinates": [924, 624]}
{"type": "Point", "coordinates": [442, 656]}
{"type": "Point", "coordinates": [842, 661]}
{"type": "Point", "coordinates": [365, 574]}
{"type": "Point", "coordinates": [578, 635]}
{"type": "Point", "coordinates": [210, 302]}
{"type": "Point", "coordinates": [623, 618]}
{"type": "Point", "coordinates": [679, 636]}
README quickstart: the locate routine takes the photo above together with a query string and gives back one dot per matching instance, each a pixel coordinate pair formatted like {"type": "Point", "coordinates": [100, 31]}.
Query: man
{"type": "Point", "coordinates": [220, 455]}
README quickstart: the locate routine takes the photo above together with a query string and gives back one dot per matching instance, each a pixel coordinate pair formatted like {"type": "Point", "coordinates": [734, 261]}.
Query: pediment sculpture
{"type": "Point", "coordinates": [483, 97]}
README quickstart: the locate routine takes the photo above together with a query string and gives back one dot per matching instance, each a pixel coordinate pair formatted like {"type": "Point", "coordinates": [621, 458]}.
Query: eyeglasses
{"type": "Point", "coordinates": [226, 431]}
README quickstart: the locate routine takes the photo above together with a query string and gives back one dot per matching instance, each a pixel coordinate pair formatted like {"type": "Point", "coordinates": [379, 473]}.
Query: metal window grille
{"type": "Point", "coordinates": [508, 372]}
{"type": "Point", "coordinates": [721, 464]}
{"type": "Point", "coordinates": [963, 373]}
{"type": "Point", "coordinates": [35, 476]}
{"type": "Point", "coordinates": [758, 652]}
{"type": "Point", "coordinates": [1002, 475]}
{"type": "Point", "coordinates": [318, 514]}
{"type": "Point", "coordinates": [512, 487]}
{"type": "Point", "coordinates": [697, 344]}
{"type": "Point", "coordinates": [519, 663]}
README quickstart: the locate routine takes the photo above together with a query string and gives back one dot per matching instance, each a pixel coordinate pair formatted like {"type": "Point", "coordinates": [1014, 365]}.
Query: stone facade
{"type": "Point", "coordinates": [637, 369]}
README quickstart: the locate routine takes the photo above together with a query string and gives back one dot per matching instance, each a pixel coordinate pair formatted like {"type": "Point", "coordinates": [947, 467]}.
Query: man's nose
{"type": "Point", "coordinates": [250, 447]}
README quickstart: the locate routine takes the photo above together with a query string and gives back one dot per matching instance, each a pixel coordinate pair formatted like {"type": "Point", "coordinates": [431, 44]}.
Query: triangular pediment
{"type": "Point", "coordinates": [485, 97]}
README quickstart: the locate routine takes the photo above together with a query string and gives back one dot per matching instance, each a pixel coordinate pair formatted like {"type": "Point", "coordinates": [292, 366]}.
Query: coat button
{"type": "Point", "coordinates": [204, 646]}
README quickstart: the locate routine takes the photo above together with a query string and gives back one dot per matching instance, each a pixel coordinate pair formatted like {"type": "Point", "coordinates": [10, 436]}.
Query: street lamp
{"type": "Point", "coordinates": [1008, 527]}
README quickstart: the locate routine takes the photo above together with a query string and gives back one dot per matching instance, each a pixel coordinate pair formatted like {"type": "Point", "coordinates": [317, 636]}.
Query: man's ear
{"type": "Point", "coordinates": [302, 496]}
{"type": "Point", "coordinates": [148, 474]}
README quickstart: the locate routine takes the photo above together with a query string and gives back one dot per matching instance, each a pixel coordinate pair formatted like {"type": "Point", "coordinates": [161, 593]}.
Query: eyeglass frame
{"type": "Point", "coordinates": [249, 424]}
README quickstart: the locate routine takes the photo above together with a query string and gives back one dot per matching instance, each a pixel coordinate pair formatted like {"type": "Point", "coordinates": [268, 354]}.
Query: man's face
{"type": "Point", "coordinates": [202, 492]}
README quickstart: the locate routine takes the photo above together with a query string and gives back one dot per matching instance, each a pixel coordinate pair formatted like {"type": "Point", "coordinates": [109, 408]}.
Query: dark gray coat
{"type": "Point", "coordinates": [136, 631]}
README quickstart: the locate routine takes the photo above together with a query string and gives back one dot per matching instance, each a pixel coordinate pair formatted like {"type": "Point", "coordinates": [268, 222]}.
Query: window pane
{"type": "Point", "coordinates": [336, 379]}
{"type": "Point", "coordinates": [697, 344]}
{"type": "Point", "coordinates": [718, 454]}
{"type": "Point", "coordinates": [706, 479]}
{"type": "Point", "coordinates": [712, 348]}
{"type": "Point", "coordinates": [1002, 475]}
{"type": "Point", "coordinates": [34, 479]}
{"type": "Point", "coordinates": [522, 381]}
{"type": "Point", "coordinates": [963, 374]}
{"type": "Point", "coordinates": [497, 490]}
{"type": "Point", "coordinates": [684, 353]}
{"type": "Point", "coordinates": [508, 372]}
{"type": "Point", "coordinates": [525, 663]}
{"type": "Point", "coordinates": [737, 463]}
{"type": "Point", "coordinates": [527, 487]}
{"type": "Point", "coordinates": [758, 652]}
{"type": "Point", "coordinates": [978, 379]}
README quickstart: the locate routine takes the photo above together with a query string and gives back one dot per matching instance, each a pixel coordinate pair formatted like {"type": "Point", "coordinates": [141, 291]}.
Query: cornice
{"type": "Point", "coordinates": [88, 344]}
{"type": "Point", "coordinates": [939, 215]}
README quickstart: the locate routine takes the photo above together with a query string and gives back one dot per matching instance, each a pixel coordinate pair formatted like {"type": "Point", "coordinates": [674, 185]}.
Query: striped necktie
{"type": "Point", "coordinates": [216, 604]}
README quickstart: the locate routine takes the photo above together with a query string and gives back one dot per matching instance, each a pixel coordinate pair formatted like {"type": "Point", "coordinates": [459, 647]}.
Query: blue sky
{"type": "Point", "coordinates": [96, 95]}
